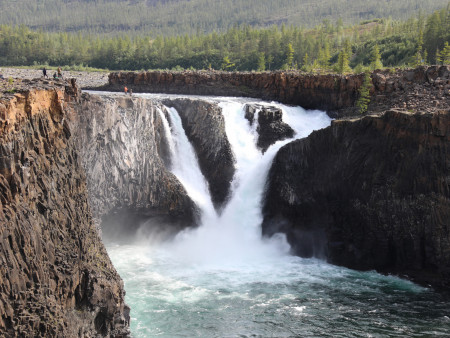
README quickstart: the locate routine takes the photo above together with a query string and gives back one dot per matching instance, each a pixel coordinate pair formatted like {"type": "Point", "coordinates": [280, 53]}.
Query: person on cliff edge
{"type": "Point", "coordinates": [44, 71]}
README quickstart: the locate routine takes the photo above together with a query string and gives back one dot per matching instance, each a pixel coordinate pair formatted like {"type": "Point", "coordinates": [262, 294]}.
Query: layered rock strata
{"type": "Point", "coordinates": [270, 125]}
{"type": "Point", "coordinates": [370, 193]}
{"type": "Point", "coordinates": [204, 125]}
{"type": "Point", "coordinates": [423, 89]}
{"type": "Point", "coordinates": [124, 151]}
{"type": "Point", "coordinates": [56, 279]}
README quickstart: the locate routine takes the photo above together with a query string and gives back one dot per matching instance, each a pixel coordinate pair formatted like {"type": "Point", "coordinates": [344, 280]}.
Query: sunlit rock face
{"type": "Point", "coordinates": [55, 275]}
{"type": "Point", "coordinates": [124, 152]}
{"type": "Point", "coordinates": [370, 193]}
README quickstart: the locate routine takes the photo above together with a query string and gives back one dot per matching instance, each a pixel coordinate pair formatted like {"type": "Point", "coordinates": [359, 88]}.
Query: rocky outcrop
{"type": "Point", "coordinates": [423, 89]}
{"type": "Point", "coordinates": [370, 193]}
{"type": "Point", "coordinates": [124, 152]}
{"type": "Point", "coordinates": [56, 279]}
{"type": "Point", "coordinates": [270, 125]}
{"type": "Point", "coordinates": [204, 125]}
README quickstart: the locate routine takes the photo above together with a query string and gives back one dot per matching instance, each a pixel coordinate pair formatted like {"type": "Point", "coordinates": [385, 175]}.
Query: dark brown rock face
{"type": "Point", "coordinates": [204, 125]}
{"type": "Point", "coordinates": [124, 152]}
{"type": "Point", "coordinates": [271, 127]}
{"type": "Point", "coordinates": [423, 89]}
{"type": "Point", "coordinates": [373, 193]}
{"type": "Point", "coordinates": [56, 279]}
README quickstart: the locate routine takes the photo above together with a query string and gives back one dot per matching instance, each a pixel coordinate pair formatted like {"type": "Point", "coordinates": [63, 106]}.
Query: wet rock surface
{"type": "Point", "coordinates": [204, 125]}
{"type": "Point", "coordinates": [370, 193]}
{"type": "Point", "coordinates": [56, 279]}
{"type": "Point", "coordinates": [124, 152]}
{"type": "Point", "coordinates": [270, 126]}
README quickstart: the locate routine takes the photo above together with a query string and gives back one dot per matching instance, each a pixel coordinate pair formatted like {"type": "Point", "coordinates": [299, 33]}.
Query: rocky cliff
{"type": "Point", "coordinates": [204, 125]}
{"type": "Point", "coordinates": [123, 149]}
{"type": "Point", "coordinates": [370, 193]}
{"type": "Point", "coordinates": [56, 279]}
{"type": "Point", "coordinates": [422, 89]}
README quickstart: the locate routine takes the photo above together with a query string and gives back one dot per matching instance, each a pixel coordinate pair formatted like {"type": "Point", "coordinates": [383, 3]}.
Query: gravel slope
{"type": "Point", "coordinates": [84, 79]}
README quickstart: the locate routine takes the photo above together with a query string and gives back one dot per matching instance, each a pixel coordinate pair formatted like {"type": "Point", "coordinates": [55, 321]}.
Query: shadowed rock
{"type": "Point", "coordinates": [271, 127]}
{"type": "Point", "coordinates": [204, 125]}
{"type": "Point", "coordinates": [372, 193]}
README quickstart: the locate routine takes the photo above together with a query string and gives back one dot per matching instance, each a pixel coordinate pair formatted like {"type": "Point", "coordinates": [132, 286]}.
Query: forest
{"type": "Point", "coordinates": [179, 17]}
{"type": "Point", "coordinates": [329, 46]}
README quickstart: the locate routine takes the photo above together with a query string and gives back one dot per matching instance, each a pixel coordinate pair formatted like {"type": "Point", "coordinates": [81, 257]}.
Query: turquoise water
{"type": "Point", "coordinates": [223, 280]}
{"type": "Point", "coordinates": [284, 297]}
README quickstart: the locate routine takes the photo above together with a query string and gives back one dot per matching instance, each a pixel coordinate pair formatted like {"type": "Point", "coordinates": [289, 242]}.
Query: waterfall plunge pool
{"type": "Point", "coordinates": [223, 280]}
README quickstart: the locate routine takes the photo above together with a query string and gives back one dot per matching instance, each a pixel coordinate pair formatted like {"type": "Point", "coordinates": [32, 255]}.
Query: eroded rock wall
{"type": "Point", "coordinates": [370, 193]}
{"type": "Point", "coordinates": [56, 279]}
{"type": "Point", "coordinates": [204, 125]}
{"type": "Point", "coordinates": [124, 152]}
{"type": "Point", "coordinates": [421, 90]}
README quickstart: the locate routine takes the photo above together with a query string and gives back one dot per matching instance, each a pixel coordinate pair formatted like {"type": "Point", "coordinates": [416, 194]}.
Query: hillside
{"type": "Point", "coordinates": [173, 17]}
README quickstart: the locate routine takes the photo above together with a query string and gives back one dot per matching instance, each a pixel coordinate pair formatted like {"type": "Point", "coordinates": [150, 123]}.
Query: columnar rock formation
{"type": "Point", "coordinates": [370, 193]}
{"type": "Point", "coordinates": [124, 152]}
{"type": "Point", "coordinates": [56, 278]}
{"type": "Point", "coordinates": [421, 89]}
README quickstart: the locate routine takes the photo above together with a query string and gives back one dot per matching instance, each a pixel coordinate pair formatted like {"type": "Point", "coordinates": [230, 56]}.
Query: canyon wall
{"type": "Point", "coordinates": [56, 279]}
{"type": "Point", "coordinates": [369, 193]}
{"type": "Point", "coordinates": [124, 151]}
{"type": "Point", "coordinates": [421, 89]}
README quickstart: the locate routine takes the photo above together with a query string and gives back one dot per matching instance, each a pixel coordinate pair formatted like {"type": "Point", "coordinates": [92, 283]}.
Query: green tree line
{"type": "Point", "coordinates": [327, 47]}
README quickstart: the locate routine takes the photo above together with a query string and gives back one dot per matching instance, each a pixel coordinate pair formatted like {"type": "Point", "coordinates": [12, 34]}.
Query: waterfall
{"type": "Point", "coordinates": [185, 164]}
{"type": "Point", "coordinates": [235, 235]}
{"type": "Point", "coordinates": [223, 280]}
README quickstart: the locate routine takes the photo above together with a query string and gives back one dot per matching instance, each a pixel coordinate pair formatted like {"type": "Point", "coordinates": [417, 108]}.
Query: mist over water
{"type": "Point", "coordinates": [223, 280]}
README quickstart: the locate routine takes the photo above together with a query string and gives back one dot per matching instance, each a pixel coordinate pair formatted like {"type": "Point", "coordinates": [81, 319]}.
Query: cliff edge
{"type": "Point", "coordinates": [369, 193]}
{"type": "Point", "coordinates": [55, 275]}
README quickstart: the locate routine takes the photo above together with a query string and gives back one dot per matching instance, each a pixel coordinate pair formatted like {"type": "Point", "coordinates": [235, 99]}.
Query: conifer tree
{"type": "Point", "coordinates": [445, 54]}
{"type": "Point", "coordinates": [375, 58]}
{"type": "Point", "coordinates": [262, 62]}
{"type": "Point", "coordinates": [289, 56]}
{"type": "Point", "coordinates": [227, 64]}
{"type": "Point", "coordinates": [343, 65]}
{"type": "Point", "coordinates": [364, 94]}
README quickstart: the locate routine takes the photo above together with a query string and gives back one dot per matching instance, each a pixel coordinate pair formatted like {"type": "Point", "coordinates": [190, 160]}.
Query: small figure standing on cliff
{"type": "Point", "coordinates": [125, 89]}
{"type": "Point", "coordinates": [131, 91]}
{"type": "Point", "coordinates": [59, 73]}
{"type": "Point", "coordinates": [44, 71]}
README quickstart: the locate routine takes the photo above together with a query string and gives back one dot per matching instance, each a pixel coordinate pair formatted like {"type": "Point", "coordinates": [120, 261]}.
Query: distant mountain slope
{"type": "Point", "coordinates": [171, 17]}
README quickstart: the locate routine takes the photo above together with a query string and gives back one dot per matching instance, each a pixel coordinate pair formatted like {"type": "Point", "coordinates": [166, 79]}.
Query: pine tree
{"type": "Point", "coordinates": [445, 54]}
{"type": "Point", "coordinates": [290, 56]}
{"type": "Point", "coordinates": [343, 63]}
{"type": "Point", "coordinates": [305, 66]}
{"type": "Point", "coordinates": [364, 94]}
{"type": "Point", "coordinates": [375, 58]}
{"type": "Point", "coordinates": [438, 56]}
{"type": "Point", "coordinates": [227, 64]}
{"type": "Point", "coordinates": [262, 62]}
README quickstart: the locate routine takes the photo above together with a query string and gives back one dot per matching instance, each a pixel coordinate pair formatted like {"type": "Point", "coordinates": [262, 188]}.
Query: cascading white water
{"type": "Point", "coordinates": [185, 163]}
{"type": "Point", "coordinates": [223, 280]}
